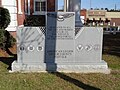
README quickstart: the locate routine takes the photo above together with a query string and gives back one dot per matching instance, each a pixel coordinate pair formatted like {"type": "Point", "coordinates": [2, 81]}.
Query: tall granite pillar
{"type": "Point", "coordinates": [74, 6]}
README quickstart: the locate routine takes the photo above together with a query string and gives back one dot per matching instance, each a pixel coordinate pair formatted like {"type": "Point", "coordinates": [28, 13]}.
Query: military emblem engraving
{"type": "Point", "coordinates": [61, 17]}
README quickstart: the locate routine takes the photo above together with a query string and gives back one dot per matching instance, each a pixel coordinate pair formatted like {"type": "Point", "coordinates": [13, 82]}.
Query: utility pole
{"type": "Point", "coordinates": [90, 4]}
{"type": "Point", "coordinates": [115, 7]}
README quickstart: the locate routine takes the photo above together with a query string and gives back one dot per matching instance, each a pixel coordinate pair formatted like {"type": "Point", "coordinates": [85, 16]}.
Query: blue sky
{"type": "Point", "coordinates": [101, 4]}
{"type": "Point", "coordinates": [60, 3]}
{"type": "Point", "coordinates": [97, 4]}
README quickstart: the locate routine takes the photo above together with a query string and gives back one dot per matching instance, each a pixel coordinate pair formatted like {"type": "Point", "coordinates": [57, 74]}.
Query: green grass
{"type": "Point", "coordinates": [70, 81]}
{"type": "Point", "coordinates": [61, 81]}
{"type": "Point", "coordinates": [113, 61]}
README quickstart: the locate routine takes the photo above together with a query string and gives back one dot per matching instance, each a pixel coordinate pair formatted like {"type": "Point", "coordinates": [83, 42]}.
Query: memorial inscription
{"type": "Point", "coordinates": [59, 35]}
{"type": "Point", "coordinates": [62, 46]}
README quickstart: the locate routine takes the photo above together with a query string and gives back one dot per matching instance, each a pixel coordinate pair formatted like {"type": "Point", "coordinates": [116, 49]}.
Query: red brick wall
{"type": "Point", "coordinates": [83, 12]}
{"type": "Point", "coordinates": [21, 17]}
{"type": "Point", "coordinates": [116, 20]}
{"type": "Point", "coordinates": [31, 7]}
{"type": "Point", "coordinates": [50, 5]}
{"type": "Point", "coordinates": [13, 33]}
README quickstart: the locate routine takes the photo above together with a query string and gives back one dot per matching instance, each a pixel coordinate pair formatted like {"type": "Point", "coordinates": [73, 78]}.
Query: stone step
{"type": "Point", "coordinates": [12, 28]}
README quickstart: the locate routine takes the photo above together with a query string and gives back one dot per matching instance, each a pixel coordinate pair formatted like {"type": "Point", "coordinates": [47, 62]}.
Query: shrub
{"type": "Point", "coordinates": [6, 40]}
{"type": "Point", "coordinates": [4, 18]}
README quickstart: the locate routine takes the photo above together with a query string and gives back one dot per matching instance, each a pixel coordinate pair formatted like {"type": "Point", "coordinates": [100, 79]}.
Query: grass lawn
{"type": "Point", "coordinates": [71, 81]}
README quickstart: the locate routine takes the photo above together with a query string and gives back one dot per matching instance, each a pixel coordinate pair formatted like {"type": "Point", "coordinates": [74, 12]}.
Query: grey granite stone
{"type": "Point", "coordinates": [56, 48]}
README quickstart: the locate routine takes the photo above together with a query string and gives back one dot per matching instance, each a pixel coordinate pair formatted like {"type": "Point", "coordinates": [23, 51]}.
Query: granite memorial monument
{"type": "Point", "coordinates": [58, 47]}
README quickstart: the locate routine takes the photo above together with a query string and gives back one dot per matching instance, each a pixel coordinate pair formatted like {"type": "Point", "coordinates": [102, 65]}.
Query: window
{"type": "Point", "coordinates": [39, 6]}
{"type": "Point", "coordinates": [43, 6]}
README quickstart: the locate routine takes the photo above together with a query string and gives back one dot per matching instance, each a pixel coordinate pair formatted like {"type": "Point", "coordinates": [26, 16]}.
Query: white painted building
{"type": "Point", "coordinates": [11, 5]}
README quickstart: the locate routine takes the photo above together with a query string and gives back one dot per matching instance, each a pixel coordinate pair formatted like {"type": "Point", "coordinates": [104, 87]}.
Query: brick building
{"type": "Point", "coordinates": [114, 18]}
{"type": "Point", "coordinates": [101, 17]}
{"type": "Point", "coordinates": [83, 15]}
{"type": "Point", "coordinates": [21, 9]}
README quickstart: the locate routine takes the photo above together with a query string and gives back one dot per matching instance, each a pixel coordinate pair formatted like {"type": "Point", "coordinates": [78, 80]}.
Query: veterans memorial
{"type": "Point", "coordinates": [64, 45]}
